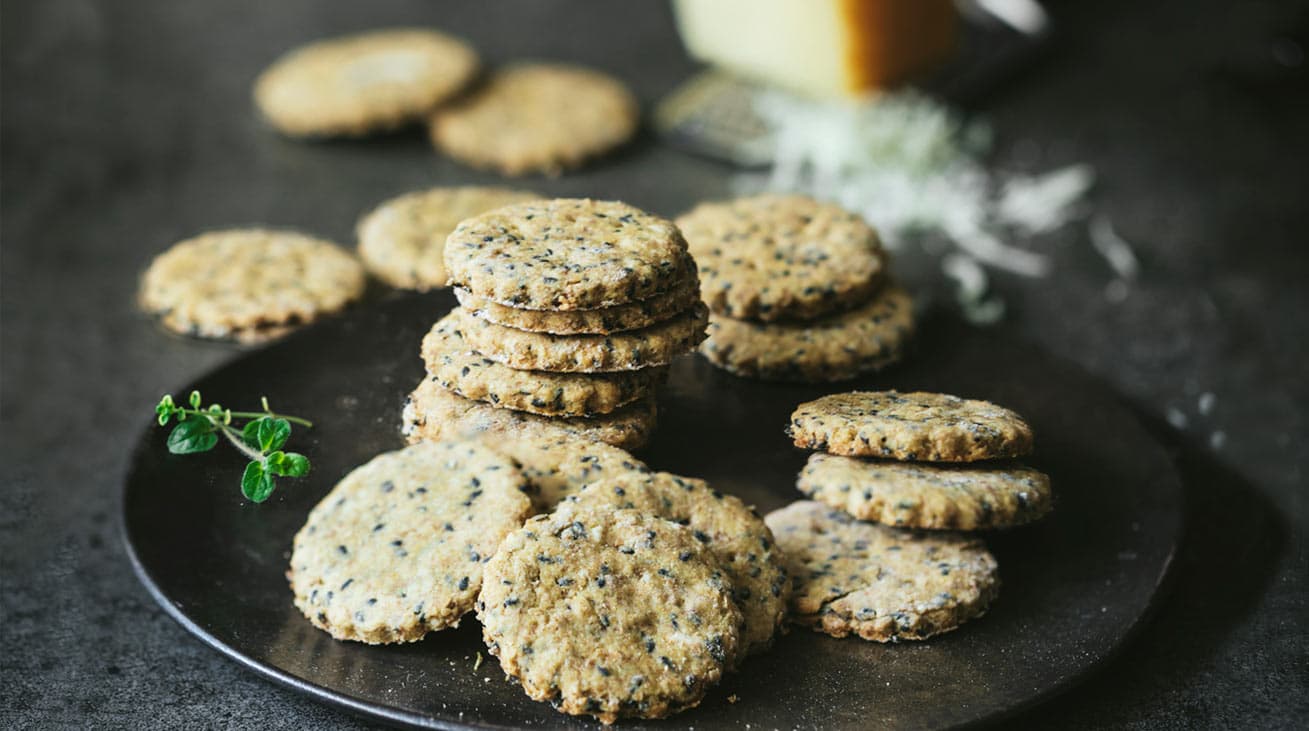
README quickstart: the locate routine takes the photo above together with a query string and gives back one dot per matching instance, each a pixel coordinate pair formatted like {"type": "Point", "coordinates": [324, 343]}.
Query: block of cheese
{"type": "Point", "coordinates": [823, 48]}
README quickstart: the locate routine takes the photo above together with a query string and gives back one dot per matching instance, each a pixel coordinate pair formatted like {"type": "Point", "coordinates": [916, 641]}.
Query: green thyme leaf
{"type": "Point", "coordinates": [295, 465]}
{"type": "Point", "coordinates": [286, 464]}
{"type": "Point", "coordinates": [256, 484]}
{"type": "Point", "coordinates": [193, 434]}
{"type": "Point", "coordinates": [266, 433]}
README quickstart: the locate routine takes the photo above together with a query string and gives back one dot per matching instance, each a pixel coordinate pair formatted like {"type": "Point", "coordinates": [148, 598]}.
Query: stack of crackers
{"type": "Point", "coordinates": [570, 311]}
{"type": "Point", "coordinates": [877, 550]}
{"type": "Point", "coordinates": [798, 289]}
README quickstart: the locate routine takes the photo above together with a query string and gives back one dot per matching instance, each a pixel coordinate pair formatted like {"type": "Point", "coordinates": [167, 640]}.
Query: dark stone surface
{"type": "Point", "coordinates": [127, 126]}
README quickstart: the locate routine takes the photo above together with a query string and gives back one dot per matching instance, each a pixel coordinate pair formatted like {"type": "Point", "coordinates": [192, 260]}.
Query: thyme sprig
{"type": "Point", "coordinates": [260, 439]}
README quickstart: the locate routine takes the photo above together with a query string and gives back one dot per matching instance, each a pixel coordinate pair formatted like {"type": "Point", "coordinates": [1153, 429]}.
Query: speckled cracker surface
{"type": "Point", "coordinates": [834, 348]}
{"type": "Point", "coordinates": [457, 367]}
{"type": "Point", "coordinates": [434, 413]}
{"type": "Point", "coordinates": [537, 118]}
{"type": "Point", "coordinates": [656, 345]}
{"type": "Point", "coordinates": [782, 257]}
{"type": "Point", "coordinates": [609, 614]}
{"type": "Point", "coordinates": [931, 427]}
{"type": "Point", "coordinates": [926, 496]}
{"type": "Point", "coordinates": [249, 284]}
{"type": "Point", "coordinates": [361, 83]}
{"type": "Point", "coordinates": [402, 241]}
{"type": "Point", "coordinates": [600, 321]}
{"type": "Point", "coordinates": [560, 465]}
{"type": "Point", "coordinates": [881, 583]}
{"type": "Point", "coordinates": [398, 547]}
{"type": "Point", "coordinates": [733, 532]}
{"type": "Point", "coordinates": [566, 254]}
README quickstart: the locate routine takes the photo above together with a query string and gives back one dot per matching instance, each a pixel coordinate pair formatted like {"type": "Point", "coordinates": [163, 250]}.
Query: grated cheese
{"type": "Point", "coordinates": [911, 166]}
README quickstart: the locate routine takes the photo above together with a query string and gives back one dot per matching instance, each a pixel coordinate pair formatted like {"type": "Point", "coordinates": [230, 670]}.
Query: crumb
{"type": "Point", "coordinates": [733, 698]}
{"type": "Point", "coordinates": [1218, 439]}
{"type": "Point", "coordinates": [478, 664]}
{"type": "Point", "coordinates": [1176, 418]}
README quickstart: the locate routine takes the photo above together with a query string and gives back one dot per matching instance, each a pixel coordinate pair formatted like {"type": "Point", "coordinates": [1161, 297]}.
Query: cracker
{"type": "Point", "coordinates": [609, 614]}
{"type": "Point", "coordinates": [926, 496]}
{"type": "Point", "coordinates": [632, 350]}
{"type": "Point", "coordinates": [398, 547]}
{"type": "Point", "coordinates": [602, 321]}
{"type": "Point", "coordinates": [458, 368]}
{"type": "Point", "coordinates": [559, 465]}
{"type": "Point", "coordinates": [835, 348]}
{"type": "Point", "coordinates": [782, 257]}
{"type": "Point", "coordinates": [402, 241]}
{"type": "Point", "coordinates": [250, 285]}
{"type": "Point", "coordinates": [433, 413]}
{"type": "Point", "coordinates": [931, 427]}
{"type": "Point", "coordinates": [357, 84]}
{"type": "Point", "coordinates": [537, 118]}
{"type": "Point", "coordinates": [880, 583]}
{"type": "Point", "coordinates": [566, 254]}
{"type": "Point", "coordinates": [732, 531]}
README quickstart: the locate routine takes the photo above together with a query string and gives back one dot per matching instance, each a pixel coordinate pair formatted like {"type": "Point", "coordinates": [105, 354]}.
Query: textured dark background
{"type": "Point", "coordinates": [127, 126]}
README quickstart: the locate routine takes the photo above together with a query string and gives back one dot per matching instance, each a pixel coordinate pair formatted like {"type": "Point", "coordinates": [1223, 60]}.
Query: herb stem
{"type": "Point", "coordinates": [248, 415]}
{"type": "Point", "coordinates": [234, 437]}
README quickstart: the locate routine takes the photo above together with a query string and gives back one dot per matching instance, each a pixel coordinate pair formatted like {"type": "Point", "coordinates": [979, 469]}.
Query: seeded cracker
{"type": "Point", "coordinates": [249, 285]}
{"type": "Point", "coordinates": [362, 83]}
{"type": "Point", "coordinates": [782, 257]}
{"type": "Point", "coordinates": [932, 427]}
{"type": "Point", "coordinates": [458, 368]}
{"type": "Point", "coordinates": [537, 118]}
{"type": "Point", "coordinates": [601, 321]}
{"type": "Point", "coordinates": [402, 241]}
{"type": "Point", "coordinates": [609, 614]}
{"type": "Point", "coordinates": [632, 350]}
{"type": "Point", "coordinates": [839, 347]}
{"type": "Point", "coordinates": [924, 496]}
{"type": "Point", "coordinates": [566, 254]}
{"type": "Point", "coordinates": [559, 465]}
{"type": "Point", "coordinates": [733, 532]}
{"type": "Point", "coordinates": [398, 547]}
{"type": "Point", "coordinates": [433, 413]}
{"type": "Point", "coordinates": [883, 584]}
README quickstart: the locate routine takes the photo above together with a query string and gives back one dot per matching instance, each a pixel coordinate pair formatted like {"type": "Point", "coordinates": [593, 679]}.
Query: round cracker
{"type": "Point", "coordinates": [782, 257]}
{"type": "Point", "coordinates": [459, 368]}
{"type": "Point", "coordinates": [602, 321]}
{"type": "Point", "coordinates": [434, 413]}
{"type": "Point", "coordinates": [398, 547]}
{"type": "Point", "coordinates": [931, 427]}
{"type": "Point", "coordinates": [537, 118]}
{"type": "Point", "coordinates": [733, 532]}
{"type": "Point", "coordinates": [881, 583]}
{"type": "Point", "coordinates": [632, 350]}
{"type": "Point", "coordinates": [402, 241]}
{"type": "Point", "coordinates": [357, 84]}
{"type": "Point", "coordinates": [609, 614]}
{"type": "Point", "coordinates": [249, 284]}
{"type": "Point", "coordinates": [566, 254]}
{"type": "Point", "coordinates": [835, 348]}
{"type": "Point", "coordinates": [926, 496]}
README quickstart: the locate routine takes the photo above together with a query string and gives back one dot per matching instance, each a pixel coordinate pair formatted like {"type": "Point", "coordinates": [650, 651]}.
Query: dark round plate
{"type": "Point", "coordinates": [1074, 585]}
